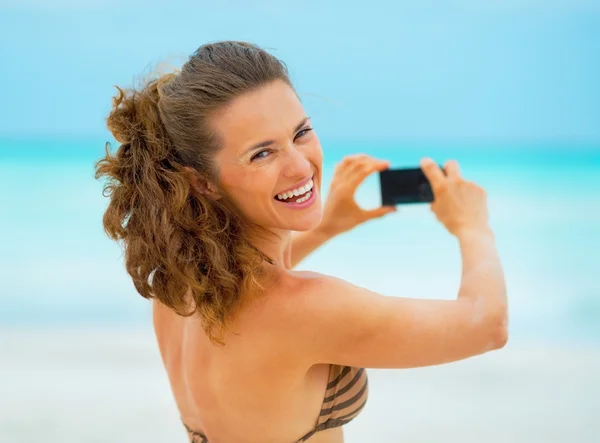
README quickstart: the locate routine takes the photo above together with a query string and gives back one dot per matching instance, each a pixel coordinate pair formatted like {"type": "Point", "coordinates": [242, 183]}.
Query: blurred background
{"type": "Point", "coordinates": [509, 88]}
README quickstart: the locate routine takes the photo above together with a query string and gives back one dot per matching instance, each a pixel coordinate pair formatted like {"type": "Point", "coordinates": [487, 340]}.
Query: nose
{"type": "Point", "coordinates": [297, 165]}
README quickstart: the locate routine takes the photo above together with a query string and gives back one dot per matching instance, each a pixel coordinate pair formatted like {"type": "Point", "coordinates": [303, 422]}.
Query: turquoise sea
{"type": "Point", "coordinates": [57, 266]}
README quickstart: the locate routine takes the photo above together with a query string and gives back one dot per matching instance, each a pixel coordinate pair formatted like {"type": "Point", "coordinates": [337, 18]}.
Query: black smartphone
{"type": "Point", "coordinates": [404, 186]}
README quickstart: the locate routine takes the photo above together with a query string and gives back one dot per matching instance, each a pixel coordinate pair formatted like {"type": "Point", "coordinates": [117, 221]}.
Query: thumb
{"type": "Point", "coordinates": [379, 212]}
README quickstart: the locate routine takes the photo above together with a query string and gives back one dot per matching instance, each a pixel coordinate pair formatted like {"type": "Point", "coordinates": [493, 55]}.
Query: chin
{"type": "Point", "coordinates": [298, 222]}
{"type": "Point", "coordinates": [307, 221]}
{"type": "Point", "coordinates": [307, 226]}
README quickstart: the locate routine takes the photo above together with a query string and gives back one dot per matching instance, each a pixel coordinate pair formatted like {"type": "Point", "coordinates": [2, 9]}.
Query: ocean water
{"type": "Point", "coordinates": [78, 357]}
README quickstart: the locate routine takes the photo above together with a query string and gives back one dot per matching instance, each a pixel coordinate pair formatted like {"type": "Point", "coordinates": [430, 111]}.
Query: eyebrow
{"type": "Point", "coordinates": [270, 142]}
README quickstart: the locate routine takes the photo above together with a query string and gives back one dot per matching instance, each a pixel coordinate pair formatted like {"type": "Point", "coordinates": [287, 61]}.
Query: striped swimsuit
{"type": "Point", "coordinates": [345, 396]}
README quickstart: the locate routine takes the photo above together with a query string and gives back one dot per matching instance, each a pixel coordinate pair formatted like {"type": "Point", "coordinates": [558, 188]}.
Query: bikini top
{"type": "Point", "coordinates": [345, 396]}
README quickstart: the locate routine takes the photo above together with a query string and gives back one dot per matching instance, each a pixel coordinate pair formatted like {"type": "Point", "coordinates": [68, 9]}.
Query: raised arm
{"type": "Point", "coordinates": [337, 322]}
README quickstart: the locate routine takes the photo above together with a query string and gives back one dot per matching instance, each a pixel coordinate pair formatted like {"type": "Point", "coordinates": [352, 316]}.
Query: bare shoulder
{"type": "Point", "coordinates": [300, 295]}
{"type": "Point", "coordinates": [308, 291]}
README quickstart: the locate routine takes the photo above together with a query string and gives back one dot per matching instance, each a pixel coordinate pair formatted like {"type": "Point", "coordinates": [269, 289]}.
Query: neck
{"type": "Point", "coordinates": [275, 245]}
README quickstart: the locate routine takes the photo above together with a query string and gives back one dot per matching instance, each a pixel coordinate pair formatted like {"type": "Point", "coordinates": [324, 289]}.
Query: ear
{"type": "Point", "coordinates": [202, 185]}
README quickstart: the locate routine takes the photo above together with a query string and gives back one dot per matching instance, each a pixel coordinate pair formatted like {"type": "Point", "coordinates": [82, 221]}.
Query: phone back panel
{"type": "Point", "coordinates": [403, 186]}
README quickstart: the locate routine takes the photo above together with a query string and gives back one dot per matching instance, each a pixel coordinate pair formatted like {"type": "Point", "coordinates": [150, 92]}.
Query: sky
{"type": "Point", "coordinates": [453, 70]}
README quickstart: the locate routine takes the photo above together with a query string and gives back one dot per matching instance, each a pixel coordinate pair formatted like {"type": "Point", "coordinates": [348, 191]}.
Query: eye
{"type": "Point", "coordinates": [303, 132]}
{"type": "Point", "coordinates": [259, 156]}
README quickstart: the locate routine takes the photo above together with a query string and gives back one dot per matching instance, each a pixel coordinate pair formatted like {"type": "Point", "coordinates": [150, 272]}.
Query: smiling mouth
{"type": "Point", "coordinates": [297, 195]}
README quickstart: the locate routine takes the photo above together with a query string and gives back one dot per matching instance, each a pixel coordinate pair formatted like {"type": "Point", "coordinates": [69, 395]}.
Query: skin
{"type": "Point", "coordinates": [259, 387]}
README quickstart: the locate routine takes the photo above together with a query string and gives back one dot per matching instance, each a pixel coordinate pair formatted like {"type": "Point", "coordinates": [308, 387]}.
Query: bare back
{"type": "Point", "coordinates": [248, 390]}
{"type": "Point", "coordinates": [269, 382]}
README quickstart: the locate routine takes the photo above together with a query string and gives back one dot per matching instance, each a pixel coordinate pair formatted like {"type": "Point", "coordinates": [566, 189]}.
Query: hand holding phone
{"type": "Point", "coordinates": [457, 203]}
{"type": "Point", "coordinates": [460, 205]}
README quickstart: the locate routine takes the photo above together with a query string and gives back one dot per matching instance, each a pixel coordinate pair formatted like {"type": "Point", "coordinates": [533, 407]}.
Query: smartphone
{"type": "Point", "coordinates": [404, 186]}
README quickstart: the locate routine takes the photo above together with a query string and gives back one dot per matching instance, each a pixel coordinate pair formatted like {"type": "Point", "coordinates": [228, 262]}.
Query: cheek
{"type": "Point", "coordinates": [233, 185]}
{"type": "Point", "coordinates": [249, 190]}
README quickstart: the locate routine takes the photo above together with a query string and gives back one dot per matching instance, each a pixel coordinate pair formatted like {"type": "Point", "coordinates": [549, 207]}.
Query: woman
{"type": "Point", "coordinates": [216, 192]}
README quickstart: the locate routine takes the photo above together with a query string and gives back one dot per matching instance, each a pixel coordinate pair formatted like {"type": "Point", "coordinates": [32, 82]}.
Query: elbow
{"type": "Point", "coordinates": [500, 337]}
{"type": "Point", "coordinates": [498, 331]}
{"type": "Point", "coordinates": [490, 327]}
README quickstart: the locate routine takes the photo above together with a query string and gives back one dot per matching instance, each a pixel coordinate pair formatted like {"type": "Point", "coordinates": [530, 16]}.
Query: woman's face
{"type": "Point", "coordinates": [269, 148]}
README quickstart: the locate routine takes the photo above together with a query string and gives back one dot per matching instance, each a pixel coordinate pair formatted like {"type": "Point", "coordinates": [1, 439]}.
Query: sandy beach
{"type": "Point", "coordinates": [95, 386]}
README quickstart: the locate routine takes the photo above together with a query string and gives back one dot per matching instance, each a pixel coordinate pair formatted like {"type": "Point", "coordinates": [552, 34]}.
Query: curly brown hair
{"type": "Point", "coordinates": [182, 246]}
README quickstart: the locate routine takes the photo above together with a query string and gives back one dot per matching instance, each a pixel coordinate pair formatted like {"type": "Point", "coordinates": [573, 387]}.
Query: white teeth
{"type": "Point", "coordinates": [296, 192]}
{"type": "Point", "coordinates": [303, 199]}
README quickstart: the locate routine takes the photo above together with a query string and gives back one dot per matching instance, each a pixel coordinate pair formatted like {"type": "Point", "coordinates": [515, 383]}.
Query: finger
{"type": "Point", "coordinates": [349, 163]}
{"type": "Point", "coordinates": [379, 212]}
{"type": "Point", "coordinates": [354, 158]}
{"type": "Point", "coordinates": [365, 168]}
{"type": "Point", "coordinates": [433, 173]}
{"type": "Point", "coordinates": [382, 165]}
{"type": "Point", "coordinates": [452, 170]}
{"type": "Point", "coordinates": [368, 166]}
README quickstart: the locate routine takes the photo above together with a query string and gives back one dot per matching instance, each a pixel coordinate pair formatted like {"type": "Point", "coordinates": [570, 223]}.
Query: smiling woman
{"type": "Point", "coordinates": [215, 191]}
{"type": "Point", "coordinates": [287, 160]}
